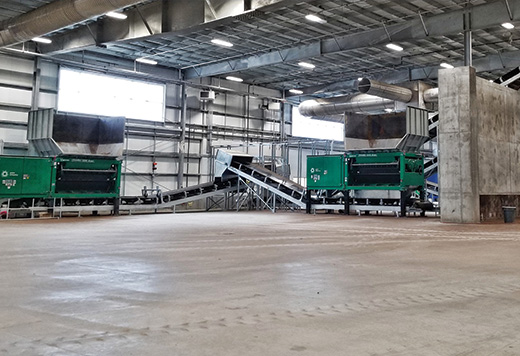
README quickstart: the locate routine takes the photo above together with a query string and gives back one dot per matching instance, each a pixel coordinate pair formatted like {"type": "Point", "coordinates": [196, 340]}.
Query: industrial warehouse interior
{"type": "Point", "coordinates": [259, 177]}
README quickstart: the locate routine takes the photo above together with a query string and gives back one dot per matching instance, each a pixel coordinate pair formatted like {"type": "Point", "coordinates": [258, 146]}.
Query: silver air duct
{"type": "Point", "coordinates": [54, 16]}
{"type": "Point", "coordinates": [360, 103]}
{"type": "Point", "coordinates": [383, 90]}
{"type": "Point", "coordinates": [376, 97]}
{"type": "Point", "coordinates": [431, 95]}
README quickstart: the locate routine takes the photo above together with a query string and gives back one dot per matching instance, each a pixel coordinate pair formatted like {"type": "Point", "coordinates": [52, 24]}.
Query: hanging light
{"type": "Point", "coordinates": [307, 65]}
{"type": "Point", "coordinates": [42, 40]}
{"type": "Point", "coordinates": [222, 43]}
{"type": "Point", "coordinates": [146, 61]}
{"type": "Point", "coordinates": [116, 15]}
{"type": "Point", "coordinates": [235, 79]}
{"type": "Point", "coordinates": [394, 47]}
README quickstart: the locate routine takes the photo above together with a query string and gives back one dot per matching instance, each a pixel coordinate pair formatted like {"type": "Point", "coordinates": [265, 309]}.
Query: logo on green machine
{"type": "Point", "coordinates": [5, 174]}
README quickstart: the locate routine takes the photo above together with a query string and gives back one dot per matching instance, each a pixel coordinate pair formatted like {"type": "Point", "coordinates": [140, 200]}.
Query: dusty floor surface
{"type": "Point", "coordinates": [254, 283]}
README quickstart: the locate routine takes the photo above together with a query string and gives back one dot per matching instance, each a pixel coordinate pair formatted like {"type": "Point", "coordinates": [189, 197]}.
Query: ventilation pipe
{"type": "Point", "coordinates": [431, 95]}
{"type": "Point", "coordinates": [55, 16]}
{"type": "Point", "coordinates": [384, 90]}
{"type": "Point", "coordinates": [376, 98]}
{"type": "Point", "coordinates": [360, 103]}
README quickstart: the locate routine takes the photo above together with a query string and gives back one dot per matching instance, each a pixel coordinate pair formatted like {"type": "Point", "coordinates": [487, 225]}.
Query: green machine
{"type": "Point", "coordinates": [392, 170]}
{"type": "Point", "coordinates": [371, 180]}
{"type": "Point", "coordinates": [59, 177]}
{"type": "Point", "coordinates": [72, 161]}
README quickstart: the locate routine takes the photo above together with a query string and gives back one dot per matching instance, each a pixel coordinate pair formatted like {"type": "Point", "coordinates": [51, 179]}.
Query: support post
{"type": "Point", "coordinates": [182, 148]}
{"type": "Point", "coordinates": [116, 206]}
{"type": "Point", "coordinates": [403, 203]}
{"type": "Point", "coordinates": [346, 201]}
{"type": "Point", "coordinates": [35, 99]}
{"type": "Point", "coordinates": [468, 58]}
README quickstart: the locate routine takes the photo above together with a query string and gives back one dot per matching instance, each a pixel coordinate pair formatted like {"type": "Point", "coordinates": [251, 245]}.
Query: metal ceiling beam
{"type": "Point", "coordinates": [489, 63]}
{"type": "Point", "coordinates": [451, 23]}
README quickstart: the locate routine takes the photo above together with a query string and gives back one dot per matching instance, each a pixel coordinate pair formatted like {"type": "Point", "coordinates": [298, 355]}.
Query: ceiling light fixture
{"type": "Point", "coordinates": [221, 43]}
{"type": "Point", "coordinates": [296, 91]}
{"type": "Point", "coordinates": [146, 61]}
{"type": "Point", "coordinates": [389, 110]}
{"type": "Point", "coordinates": [394, 47]}
{"type": "Point", "coordinates": [508, 25]}
{"type": "Point", "coordinates": [42, 40]}
{"type": "Point", "coordinates": [447, 65]}
{"type": "Point", "coordinates": [235, 79]}
{"type": "Point", "coordinates": [359, 79]}
{"type": "Point", "coordinates": [315, 18]}
{"type": "Point", "coordinates": [307, 65]}
{"type": "Point", "coordinates": [116, 15]}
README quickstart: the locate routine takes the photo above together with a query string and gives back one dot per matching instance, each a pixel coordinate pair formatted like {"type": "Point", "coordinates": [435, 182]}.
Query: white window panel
{"type": "Point", "coordinates": [98, 94]}
{"type": "Point", "coordinates": [306, 127]}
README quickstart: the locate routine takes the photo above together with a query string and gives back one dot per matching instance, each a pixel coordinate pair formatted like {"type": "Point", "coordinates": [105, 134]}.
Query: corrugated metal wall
{"type": "Point", "coordinates": [17, 80]}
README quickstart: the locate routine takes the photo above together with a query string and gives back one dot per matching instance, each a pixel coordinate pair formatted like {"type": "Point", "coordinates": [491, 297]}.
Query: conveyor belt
{"type": "Point", "coordinates": [189, 194]}
{"type": "Point", "coordinates": [234, 173]}
{"type": "Point", "coordinates": [271, 181]}
{"type": "Point", "coordinates": [175, 197]}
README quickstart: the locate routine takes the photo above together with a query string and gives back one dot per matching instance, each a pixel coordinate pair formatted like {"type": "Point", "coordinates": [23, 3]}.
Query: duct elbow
{"type": "Point", "coordinates": [307, 108]}
{"type": "Point", "coordinates": [431, 95]}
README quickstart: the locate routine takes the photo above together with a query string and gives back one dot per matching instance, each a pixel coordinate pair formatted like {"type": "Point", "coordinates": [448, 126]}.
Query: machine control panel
{"type": "Point", "coordinates": [9, 179]}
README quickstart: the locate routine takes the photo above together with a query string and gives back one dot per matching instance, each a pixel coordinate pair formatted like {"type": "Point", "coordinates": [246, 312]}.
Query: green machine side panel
{"type": "Point", "coordinates": [25, 177]}
{"type": "Point", "coordinates": [11, 173]}
{"type": "Point", "coordinates": [86, 177]}
{"type": "Point", "coordinates": [392, 170]}
{"type": "Point", "coordinates": [413, 170]}
{"type": "Point", "coordinates": [326, 172]}
{"type": "Point", "coordinates": [36, 177]}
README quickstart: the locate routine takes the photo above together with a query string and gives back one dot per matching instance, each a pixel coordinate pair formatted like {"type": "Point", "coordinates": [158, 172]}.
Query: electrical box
{"type": "Point", "coordinates": [207, 95]}
{"type": "Point", "coordinates": [25, 176]}
{"type": "Point", "coordinates": [326, 172]}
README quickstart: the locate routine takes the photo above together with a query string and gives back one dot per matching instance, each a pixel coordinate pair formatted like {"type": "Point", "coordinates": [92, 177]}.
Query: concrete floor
{"type": "Point", "coordinates": [255, 283]}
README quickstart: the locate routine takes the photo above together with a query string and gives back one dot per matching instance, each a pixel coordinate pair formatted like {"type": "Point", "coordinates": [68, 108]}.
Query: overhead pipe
{"type": "Point", "coordinates": [55, 16]}
{"type": "Point", "coordinates": [384, 90]}
{"type": "Point", "coordinates": [360, 103]}
{"type": "Point", "coordinates": [431, 95]}
{"type": "Point", "coordinates": [376, 98]}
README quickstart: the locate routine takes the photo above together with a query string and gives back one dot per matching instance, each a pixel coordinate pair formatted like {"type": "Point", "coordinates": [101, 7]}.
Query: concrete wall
{"type": "Point", "coordinates": [479, 146]}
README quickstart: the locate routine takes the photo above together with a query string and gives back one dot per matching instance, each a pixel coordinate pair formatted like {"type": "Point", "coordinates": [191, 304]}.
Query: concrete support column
{"type": "Point", "coordinates": [458, 146]}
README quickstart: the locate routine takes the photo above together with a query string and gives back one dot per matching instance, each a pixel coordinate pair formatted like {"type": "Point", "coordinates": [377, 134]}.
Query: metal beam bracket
{"type": "Point", "coordinates": [424, 25]}
{"type": "Point", "coordinates": [148, 28]}
{"type": "Point", "coordinates": [387, 33]}
{"type": "Point", "coordinates": [508, 7]}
